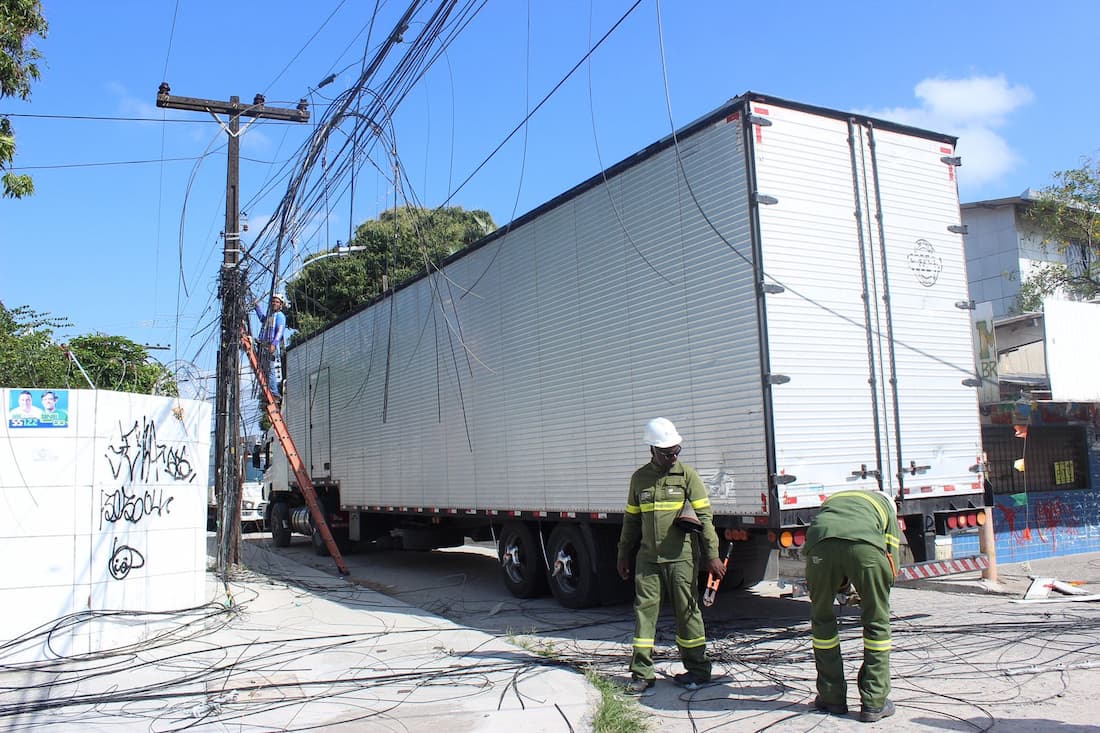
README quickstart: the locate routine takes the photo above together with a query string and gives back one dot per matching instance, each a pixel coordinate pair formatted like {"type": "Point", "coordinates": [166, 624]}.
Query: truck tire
{"type": "Point", "coordinates": [521, 563]}
{"type": "Point", "coordinates": [572, 579]}
{"type": "Point", "coordinates": [280, 524]}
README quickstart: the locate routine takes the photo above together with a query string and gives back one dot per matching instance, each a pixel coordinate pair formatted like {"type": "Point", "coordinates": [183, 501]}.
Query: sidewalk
{"type": "Point", "coordinates": [289, 647]}
{"type": "Point", "coordinates": [317, 654]}
{"type": "Point", "coordinates": [967, 656]}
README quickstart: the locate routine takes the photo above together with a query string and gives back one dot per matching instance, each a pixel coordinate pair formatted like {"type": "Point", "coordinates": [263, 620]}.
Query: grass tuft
{"type": "Point", "coordinates": [616, 712]}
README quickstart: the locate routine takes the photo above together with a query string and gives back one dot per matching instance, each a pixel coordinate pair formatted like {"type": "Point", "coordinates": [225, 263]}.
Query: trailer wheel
{"type": "Point", "coordinates": [572, 580]}
{"type": "Point", "coordinates": [280, 524]}
{"type": "Point", "coordinates": [521, 561]}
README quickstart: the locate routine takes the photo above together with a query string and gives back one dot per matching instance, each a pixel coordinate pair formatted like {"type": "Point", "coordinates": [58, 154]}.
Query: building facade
{"type": "Point", "coordinates": [1042, 420]}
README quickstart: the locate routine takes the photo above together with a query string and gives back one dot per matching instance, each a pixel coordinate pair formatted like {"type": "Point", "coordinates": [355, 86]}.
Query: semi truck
{"type": "Point", "coordinates": [785, 282]}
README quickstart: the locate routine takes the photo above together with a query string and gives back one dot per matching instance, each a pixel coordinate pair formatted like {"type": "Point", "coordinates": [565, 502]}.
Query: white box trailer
{"type": "Point", "coordinates": [786, 283]}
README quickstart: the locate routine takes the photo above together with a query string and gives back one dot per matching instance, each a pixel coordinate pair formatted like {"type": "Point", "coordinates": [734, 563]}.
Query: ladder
{"type": "Point", "coordinates": [305, 485]}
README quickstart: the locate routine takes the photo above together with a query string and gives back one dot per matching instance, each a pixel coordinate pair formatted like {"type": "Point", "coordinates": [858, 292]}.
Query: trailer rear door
{"type": "Point", "coordinates": [863, 322]}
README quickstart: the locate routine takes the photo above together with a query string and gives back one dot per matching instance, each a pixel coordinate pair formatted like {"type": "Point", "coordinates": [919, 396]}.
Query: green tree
{"type": "Point", "coordinates": [400, 244]}
{"type": "Point", "coordinates": [19, 21]}
{"type": "Point", "coordinates": [117, 363]}
{"type": "Point", "coordinates": [30, 358]}
{"type": "Point", "coordinates": [1067, 217]}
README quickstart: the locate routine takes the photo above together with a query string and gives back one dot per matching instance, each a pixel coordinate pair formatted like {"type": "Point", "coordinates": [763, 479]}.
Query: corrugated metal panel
{"type": "Point", "coordinates": [819, 331]}
{"type": "Point", "coordinates": [816, 326]}
{"type": "Point", "coordinates": [926, 264]}
{"type": "Point", "coordinates": [521, 378]}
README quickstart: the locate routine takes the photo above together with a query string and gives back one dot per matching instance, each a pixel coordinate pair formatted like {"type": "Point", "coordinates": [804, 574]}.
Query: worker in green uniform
{"type": "Point", "coordinates": [853, 539]}
{"type": "Point", "coordinates": [659, 491]}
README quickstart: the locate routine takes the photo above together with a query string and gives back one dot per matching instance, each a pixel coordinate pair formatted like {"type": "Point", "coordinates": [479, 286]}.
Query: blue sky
{"type": "Point", "coordinates": [123, 233]}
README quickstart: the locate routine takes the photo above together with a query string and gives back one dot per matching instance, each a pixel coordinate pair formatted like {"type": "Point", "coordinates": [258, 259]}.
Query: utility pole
{"type": "Point", "coordinates": [232, 283]}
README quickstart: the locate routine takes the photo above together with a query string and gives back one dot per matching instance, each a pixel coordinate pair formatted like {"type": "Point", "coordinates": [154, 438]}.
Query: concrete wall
{"type": "Point", "coordinates": [105, 511]}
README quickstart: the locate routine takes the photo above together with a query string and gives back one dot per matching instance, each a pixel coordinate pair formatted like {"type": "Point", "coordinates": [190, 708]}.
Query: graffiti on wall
{"type": "Point", "coordinates": [139, 462]}
{"type": "Point", "coordinates": [139, 457]}
{"type": "Point", "coordinates": [123, 559]}
{"type": "Point", "coordinates": [1046, 524]}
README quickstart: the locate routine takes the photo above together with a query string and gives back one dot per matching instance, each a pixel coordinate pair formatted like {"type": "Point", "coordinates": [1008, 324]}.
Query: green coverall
{"type": "Point", "coordinates": [665, 561]}
{"type": "Point", "coordinates": [855, 537]}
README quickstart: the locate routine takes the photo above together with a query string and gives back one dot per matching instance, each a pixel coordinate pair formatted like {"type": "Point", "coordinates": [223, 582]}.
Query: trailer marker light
{"type": "Point", "coordinates": [980, 516]}
{"type": "Point", "coordinates": [786, 539]}
{"type": "Point", "coordinates": [952, 522]}
{"type": "Point", "coordinates": [972, 520]}
{"type": "Point", "coordinates": [799, 538]}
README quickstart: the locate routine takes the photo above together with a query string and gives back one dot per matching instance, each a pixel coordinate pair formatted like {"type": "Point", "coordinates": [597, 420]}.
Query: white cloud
{"type": "Point", "coordinates": [985, 100]}
{"type": "Point", "coordinates": [131, 106]}
{"type": "Point", "coordinates": [972, 109]}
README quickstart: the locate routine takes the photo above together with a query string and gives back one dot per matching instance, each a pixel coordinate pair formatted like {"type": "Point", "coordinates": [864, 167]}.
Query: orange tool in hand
{"type": "Point", "coordinates": [711, 593]}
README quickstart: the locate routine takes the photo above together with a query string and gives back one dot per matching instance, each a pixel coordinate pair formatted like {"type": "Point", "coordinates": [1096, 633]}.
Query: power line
{"type": "Point", "coordinates": [97, 118]}
{"type": "Point", "coordinates": [132, 162]}
{"type": "Point", "coordinates": [102, 164]}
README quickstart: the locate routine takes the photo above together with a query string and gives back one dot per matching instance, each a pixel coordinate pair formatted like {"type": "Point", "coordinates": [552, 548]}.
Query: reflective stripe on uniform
{"type": "Point", "coordinates": [633, 509]}
{"type": "Point", "coordinates": [703, 503]}
{"type": "Point", "coordinates": [877, 645]}
{"type": "Point", "coordinates": [691, 643]}
{"type": "Point", "coordinates": [892, 541]}
{"type": "Point", "coordinates": [830, 643]}
{"type": "Point", "coordinates": [643, 643]}
{"type": "Point", "coordinates": [660, 506]}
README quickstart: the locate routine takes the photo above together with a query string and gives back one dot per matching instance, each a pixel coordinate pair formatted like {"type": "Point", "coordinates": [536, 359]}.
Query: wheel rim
{"type": "Point", "coordinates": [512, 561]}
{"type": "Point", "coordinates": [563, 568]}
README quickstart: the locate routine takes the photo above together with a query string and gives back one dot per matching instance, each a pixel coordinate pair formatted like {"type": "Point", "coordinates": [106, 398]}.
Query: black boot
{"type": "Point", "coordinates": [873, 715]}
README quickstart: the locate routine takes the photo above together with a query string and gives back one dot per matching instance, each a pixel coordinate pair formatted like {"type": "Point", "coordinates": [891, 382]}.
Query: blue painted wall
{"type": "Point", "coordinates": [1042, 524]}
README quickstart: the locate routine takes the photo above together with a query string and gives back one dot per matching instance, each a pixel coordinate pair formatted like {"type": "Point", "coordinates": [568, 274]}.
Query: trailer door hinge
{"type": "Point", "coordinates": [773, 288]}
{"type": "Point", "coordinates": [958, 229]}
{"type": "Point", "coordinates": [914, 469]}
{"type": "Point", "coordinates": [762, 198]}
{"type": "Point", "coordinates": [777, 379]}
{"type": "Point", "coordinates": [759, 120]}
{"type": "Point", "coordinates": [952, 160]}
{"type": "Point", "coordinates": [863, 472]}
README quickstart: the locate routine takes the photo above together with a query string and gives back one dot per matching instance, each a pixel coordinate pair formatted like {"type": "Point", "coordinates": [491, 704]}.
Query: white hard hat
{"type": "Point", "coordinates": [279, 297]}
{"type": "Point", "coordinates": [661, 433]}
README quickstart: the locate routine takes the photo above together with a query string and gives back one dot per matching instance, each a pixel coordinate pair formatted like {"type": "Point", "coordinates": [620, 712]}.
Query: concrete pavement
{"type": "Point", "coordinates": [286, 646]}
